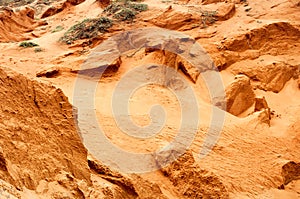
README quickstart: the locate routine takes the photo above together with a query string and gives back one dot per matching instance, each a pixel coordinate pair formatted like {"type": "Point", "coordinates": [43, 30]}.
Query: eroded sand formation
{"type": "Point", "coordinates": [255, 47]}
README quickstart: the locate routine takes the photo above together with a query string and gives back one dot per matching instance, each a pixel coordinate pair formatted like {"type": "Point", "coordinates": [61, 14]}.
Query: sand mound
{"type": "Point", "coordinates": [16, 26]}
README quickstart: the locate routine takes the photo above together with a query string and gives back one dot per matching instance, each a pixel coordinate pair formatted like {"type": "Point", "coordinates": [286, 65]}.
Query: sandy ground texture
{"type": "Point", "coordinates": [54, 105]}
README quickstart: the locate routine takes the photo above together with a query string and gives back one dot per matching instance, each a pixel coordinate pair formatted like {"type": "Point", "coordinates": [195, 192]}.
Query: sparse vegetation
{"type": "Point", "coordinates": [125, 14]}
{"type": "Point", "coordinates": [138, 7]}
{"type": "Point", "coordinates": [46, 2]}
{"type": "Point", "coordinates": [208, 17]}
{"type": "Point", "coordinates": [125, 10]}
{"type": "Point", "coordinates": [57, 29]}
{"type": "Point", "coordinates": [36, 50]}
{"type": "Point", "coordinates": [27, 44]}
{"type": "Point", "coordinates": [14, 3]}
{"type": "Point", "coordinates": [87, 29]}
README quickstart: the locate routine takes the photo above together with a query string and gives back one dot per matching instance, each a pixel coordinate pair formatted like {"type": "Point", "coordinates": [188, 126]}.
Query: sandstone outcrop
{"type": "Point", "coordinates": [59, 6]}
{"type": "Point", "coordinates": [290, 171]}
{"type": "Point", "coordinates": [225, 11]}
{"type": "Point", "coordinates": [36, 123]}
{"type": "Point", "coordinates": [175, 20]}
{"type": "Point", "coordinates": [258, 41]}
{"type": "Point", "coordinates": [269, 77]}
{"type": "Point", "coordinates": [17, 25]}
{"type": "Point", "coordinates": [239, 95]}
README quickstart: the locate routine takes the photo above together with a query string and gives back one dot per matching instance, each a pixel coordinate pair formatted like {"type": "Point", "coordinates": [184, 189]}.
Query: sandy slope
{"type": "Point", "coordinates": [249, 155]}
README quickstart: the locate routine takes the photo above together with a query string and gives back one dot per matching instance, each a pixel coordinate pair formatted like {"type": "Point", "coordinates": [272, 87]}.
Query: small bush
{"type": "Point", "coordinates": [57, 29]}
{"type": "Point", "coordinates": [87, 29]}
{"type": "Point", "coordinates": [26, 44]}
{"type": "Point", "coordinates": [126, 10]}
{"type": "Point", "coordinates": [14, 3]}
{"type": "Point", "coordinates": [125, 15]}
{"type": "Point", "coordinates": [113, 8]}
{"type": "Point", "coordinates": [166, 1]}
{"type": "Point", "coordinates": [139, 7]}
{"type": "Point", "coordinates": [208, 17]}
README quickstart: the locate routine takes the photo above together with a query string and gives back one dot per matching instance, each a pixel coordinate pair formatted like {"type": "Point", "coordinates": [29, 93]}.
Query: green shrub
{"type": "Point", "coordinates": [113, 8]}
{"type": "Point", "coordinates": [125, 15]}
{"type": "Point", "coordinates": [27, 44]}
{"type": "Point", "coordinates": [125, 10]}
{"type": "Point", "coordinates": [139, 7]}
{"type": "Point", "coordinates": [14, 3]}
{"type": "Point", "coordinates": [87, 29]}
{"type": "Point", "coordinates": [57, 29]}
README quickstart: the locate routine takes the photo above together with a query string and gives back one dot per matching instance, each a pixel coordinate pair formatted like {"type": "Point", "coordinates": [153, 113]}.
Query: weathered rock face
{"type": "Point", "coordinates": [59, 6]}
{"type": "Point", "coordinates": [171, 49]}
{"type": "Point", "coordinates": [49, 73]}
{"type": "Point", "coordinates": [263, 117]}
{"type": "Point", "coordinates": [38, 135]}
{"type": "Point", "coordinates": [264, 40]}
{"type": "Point", "coordinates": [258, 38]}
{"type": "Point", "coordinates": [4, 173]}
{"type": "Point", "coordinates": [15, 26]}
{"type": "Point", "coordinates": [225, 11]}
{"type": "Point", "coordinates": [290, 171]}
{"type": "Point", "coordinates": [104, 3]}
{"type": "Point", "coordinates": [239, 95]}
{"type": "Point", "coordinates": [260, 104]}
{"type": "Point", "coordinates": [295, 2]}
{"type": "Point", "coordinates": [262, 107]}
{"type": "Point", "coordinates": [192, 181]}
{"type": "Point", "coordinates": [271, 77]}
{"type": "Point", "coordinates": [131, 186]}
{"type": "Point", "coordinates": [211, 1]}
{"type": "Point", "coordinates": [174, 20]}
{"type": "Point", "coordinates": [177, 62]}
